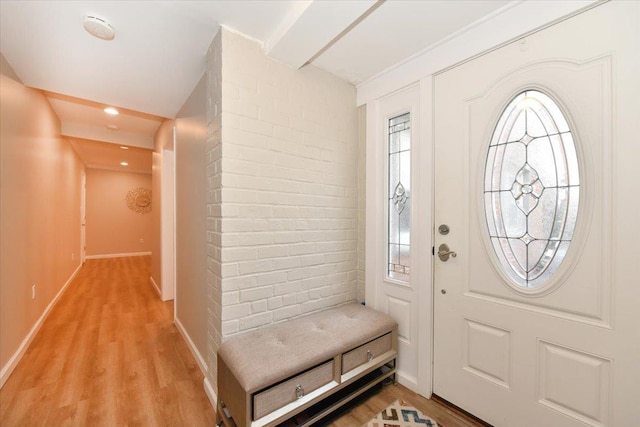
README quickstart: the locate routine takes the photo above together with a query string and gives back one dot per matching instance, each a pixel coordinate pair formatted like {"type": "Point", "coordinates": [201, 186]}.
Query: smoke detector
{"type": "Point", "coordinates": [99, 28]}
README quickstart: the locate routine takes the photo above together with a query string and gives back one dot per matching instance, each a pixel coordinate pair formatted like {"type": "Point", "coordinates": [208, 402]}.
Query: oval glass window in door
{"type": "Point", "coordinates": [531, 189]}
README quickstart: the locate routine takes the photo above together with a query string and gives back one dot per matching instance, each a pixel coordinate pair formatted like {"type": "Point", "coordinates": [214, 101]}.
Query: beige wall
{"type": "Point", "coordinates": [5, 69]}
{"type": "Point", "coordinates": [191, 217]}
{"type": "Point", "coordinates": [39, 212]}
{"type": "Point", "coordinates": [113, 228]}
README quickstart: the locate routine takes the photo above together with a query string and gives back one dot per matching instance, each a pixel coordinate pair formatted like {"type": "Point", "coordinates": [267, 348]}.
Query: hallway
{"type": "Point", "coordinates": [108, 354]}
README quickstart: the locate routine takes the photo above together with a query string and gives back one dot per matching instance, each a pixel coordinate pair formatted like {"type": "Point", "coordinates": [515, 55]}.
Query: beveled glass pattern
{"type": "Point", "coordinates": [531, 188]}
{"type": "Point", "coordinates": [399, 203]}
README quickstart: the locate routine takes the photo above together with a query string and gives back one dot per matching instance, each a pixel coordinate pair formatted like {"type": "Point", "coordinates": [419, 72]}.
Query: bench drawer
{"type": "Point", "coordinates": [291, 390]}
{"type": "Point", "coordinates": [366, 352]}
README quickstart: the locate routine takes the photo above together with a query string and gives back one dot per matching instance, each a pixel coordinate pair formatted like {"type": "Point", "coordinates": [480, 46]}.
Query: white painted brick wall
{"type": "Point", "coordinates": [362, 115]}
{"type": "Point", "coordinates": [285, 199]}
{"type": "Point", "coordinates": [290, 207]}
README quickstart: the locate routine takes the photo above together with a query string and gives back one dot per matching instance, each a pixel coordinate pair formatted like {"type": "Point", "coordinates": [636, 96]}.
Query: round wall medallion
{"type": "Point", "coordinates": [139, 200]}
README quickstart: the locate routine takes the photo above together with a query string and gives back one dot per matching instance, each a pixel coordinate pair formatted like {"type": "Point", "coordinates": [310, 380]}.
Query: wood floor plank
{"type": "Point", "coordinates": [372, 403]}
{"type": "Point", "coordinates": [108, 354]}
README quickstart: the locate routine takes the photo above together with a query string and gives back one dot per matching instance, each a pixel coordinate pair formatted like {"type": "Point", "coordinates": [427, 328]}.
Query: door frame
{"type": "Point", "coordinates": [167, 224]}
{"type": "Point", "coordinates": [421, 225]}
{"type": "Point", "coordinates": [83, 216]}
{"type": "Point", "coordinates": [598, 330]}
{"type": "Point", "coordinates": [478, 39]}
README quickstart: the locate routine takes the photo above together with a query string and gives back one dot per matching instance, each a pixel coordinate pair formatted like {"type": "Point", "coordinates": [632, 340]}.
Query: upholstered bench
{"type": "Point", "coordinates": [313, 363]}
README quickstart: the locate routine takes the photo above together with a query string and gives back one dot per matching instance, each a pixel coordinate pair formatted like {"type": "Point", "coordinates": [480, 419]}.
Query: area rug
{"type": "Point", "coordinates": [401, 414]}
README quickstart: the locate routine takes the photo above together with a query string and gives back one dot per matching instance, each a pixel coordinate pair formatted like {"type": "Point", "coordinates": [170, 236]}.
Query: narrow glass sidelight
{"type": "Point", "coordinates": [399, 200]}
{"type": "Point", "coordinates": [531, 189]}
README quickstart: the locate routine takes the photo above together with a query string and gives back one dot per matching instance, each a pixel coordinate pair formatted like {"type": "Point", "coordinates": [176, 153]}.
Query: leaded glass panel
{"type": "Point", "coordinates": [399, 202]}
{"type": "Point", "coordinates": [531, 188]}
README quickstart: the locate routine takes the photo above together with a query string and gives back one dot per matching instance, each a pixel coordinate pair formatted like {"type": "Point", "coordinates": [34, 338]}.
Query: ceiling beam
{"type": "Point", "coordinates": [78, 130]}
{"type": "Point", "coordinates": [312, 26]}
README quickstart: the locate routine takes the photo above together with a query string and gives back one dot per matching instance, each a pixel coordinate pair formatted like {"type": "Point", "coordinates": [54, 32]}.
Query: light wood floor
{"type": "Point", "coordinates": [369, 405]}
{"type": "Point", "coordinates": [107, 355]}
{"type": "Point", "coordinates": [110, 355]}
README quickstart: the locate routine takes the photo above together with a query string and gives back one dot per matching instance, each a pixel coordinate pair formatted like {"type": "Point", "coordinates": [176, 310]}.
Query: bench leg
{"type": "Point", "coordinates": [219, 420]}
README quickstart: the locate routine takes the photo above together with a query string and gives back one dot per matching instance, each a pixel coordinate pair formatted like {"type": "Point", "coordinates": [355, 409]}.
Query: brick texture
{"type": "Point", "coordinates": [362, 117]}
{"type": "Point", "coordinates": [289, 189]}
{"type": "Point", "coordinates": [284, 206]}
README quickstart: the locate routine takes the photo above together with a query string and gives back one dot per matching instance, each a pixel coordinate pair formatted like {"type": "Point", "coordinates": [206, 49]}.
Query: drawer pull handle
{"type": "Point", "coordinates": [299, 391]}
{"type": "Point", "coordinates": [369, 355]}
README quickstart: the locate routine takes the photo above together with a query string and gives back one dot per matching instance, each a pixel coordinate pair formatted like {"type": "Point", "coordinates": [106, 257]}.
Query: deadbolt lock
{"type": "Point", "coordinates": [443, 229]}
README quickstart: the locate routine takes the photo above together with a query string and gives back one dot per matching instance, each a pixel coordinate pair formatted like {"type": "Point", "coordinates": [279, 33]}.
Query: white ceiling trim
{"type": "Point", "coordinates": [315, 25]}
{"type": "Point", "coordinates": [79, 130]}
{"type": "Point", "coordinates": [287, 22]}
{"type": "Point", "coordinates": [116, 169]}
{"type": "Point", "coordinates": [506, 24]}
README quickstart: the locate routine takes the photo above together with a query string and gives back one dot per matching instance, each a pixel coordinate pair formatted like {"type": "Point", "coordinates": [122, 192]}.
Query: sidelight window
{"type": "Point", "coordinates": [399, 200]}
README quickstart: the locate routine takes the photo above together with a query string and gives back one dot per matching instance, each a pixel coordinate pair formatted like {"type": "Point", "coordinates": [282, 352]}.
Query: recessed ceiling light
{"type": "Point", "coordinates": [112, 111]}
{"type": "Point", "coordinates": [124, 163]}
{"type": "Point", "coordinates": [124, 148]}
{"type": "Point", "coordinates": [99, 28]}
{"type": "Point", "coordinates": [113, 127]}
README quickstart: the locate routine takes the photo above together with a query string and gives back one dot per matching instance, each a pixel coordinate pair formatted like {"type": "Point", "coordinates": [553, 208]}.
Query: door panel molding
{"type": "Point", "coordinates": [542, 310]}
{"type": "Point", "coordinates": [573, 348]}
{"type": "Point", "coordinates": [557, 365]}
{"type": "Point", "coordinates": [487, 352]}
{"type": "Point", "coordinates": [592, 224]}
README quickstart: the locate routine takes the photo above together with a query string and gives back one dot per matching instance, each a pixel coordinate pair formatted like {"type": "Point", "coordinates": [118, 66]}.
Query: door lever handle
{"type": "Point", "coordinates": [444, 252]}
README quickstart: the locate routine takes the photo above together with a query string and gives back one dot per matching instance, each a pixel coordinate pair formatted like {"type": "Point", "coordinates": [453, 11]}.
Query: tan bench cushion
{"type": "Point", "coordinates": [265, 356]}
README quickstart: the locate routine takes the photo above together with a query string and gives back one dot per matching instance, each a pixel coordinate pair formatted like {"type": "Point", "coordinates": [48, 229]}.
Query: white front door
{"type": "Point", "coordinates": [523, 336]}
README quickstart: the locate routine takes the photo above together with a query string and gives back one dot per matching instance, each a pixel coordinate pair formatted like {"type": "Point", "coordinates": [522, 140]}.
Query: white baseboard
{"type": "Point", "coordinates": [213, 398]}
{"type": "Point", "coordinates": [8, 368]}
{"type": "Point", "coordinates": [208, 388]}
{"type": "Point", "coordinates": [117, 255]}
{"type": "Point", "coordinates": [155, 286]}
{"type": "Point", "coordinates": [194, 350]}
{"type": "Point", "coordinates": [407, 381]}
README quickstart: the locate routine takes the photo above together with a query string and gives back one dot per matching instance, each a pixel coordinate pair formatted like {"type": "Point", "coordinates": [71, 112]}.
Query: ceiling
{"type": "Point", "coordinates": [99, 138]}
{"type": "Point", "coordinates": [100, 155]}
{"type": "Point", "coordinates": [158, 53]}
